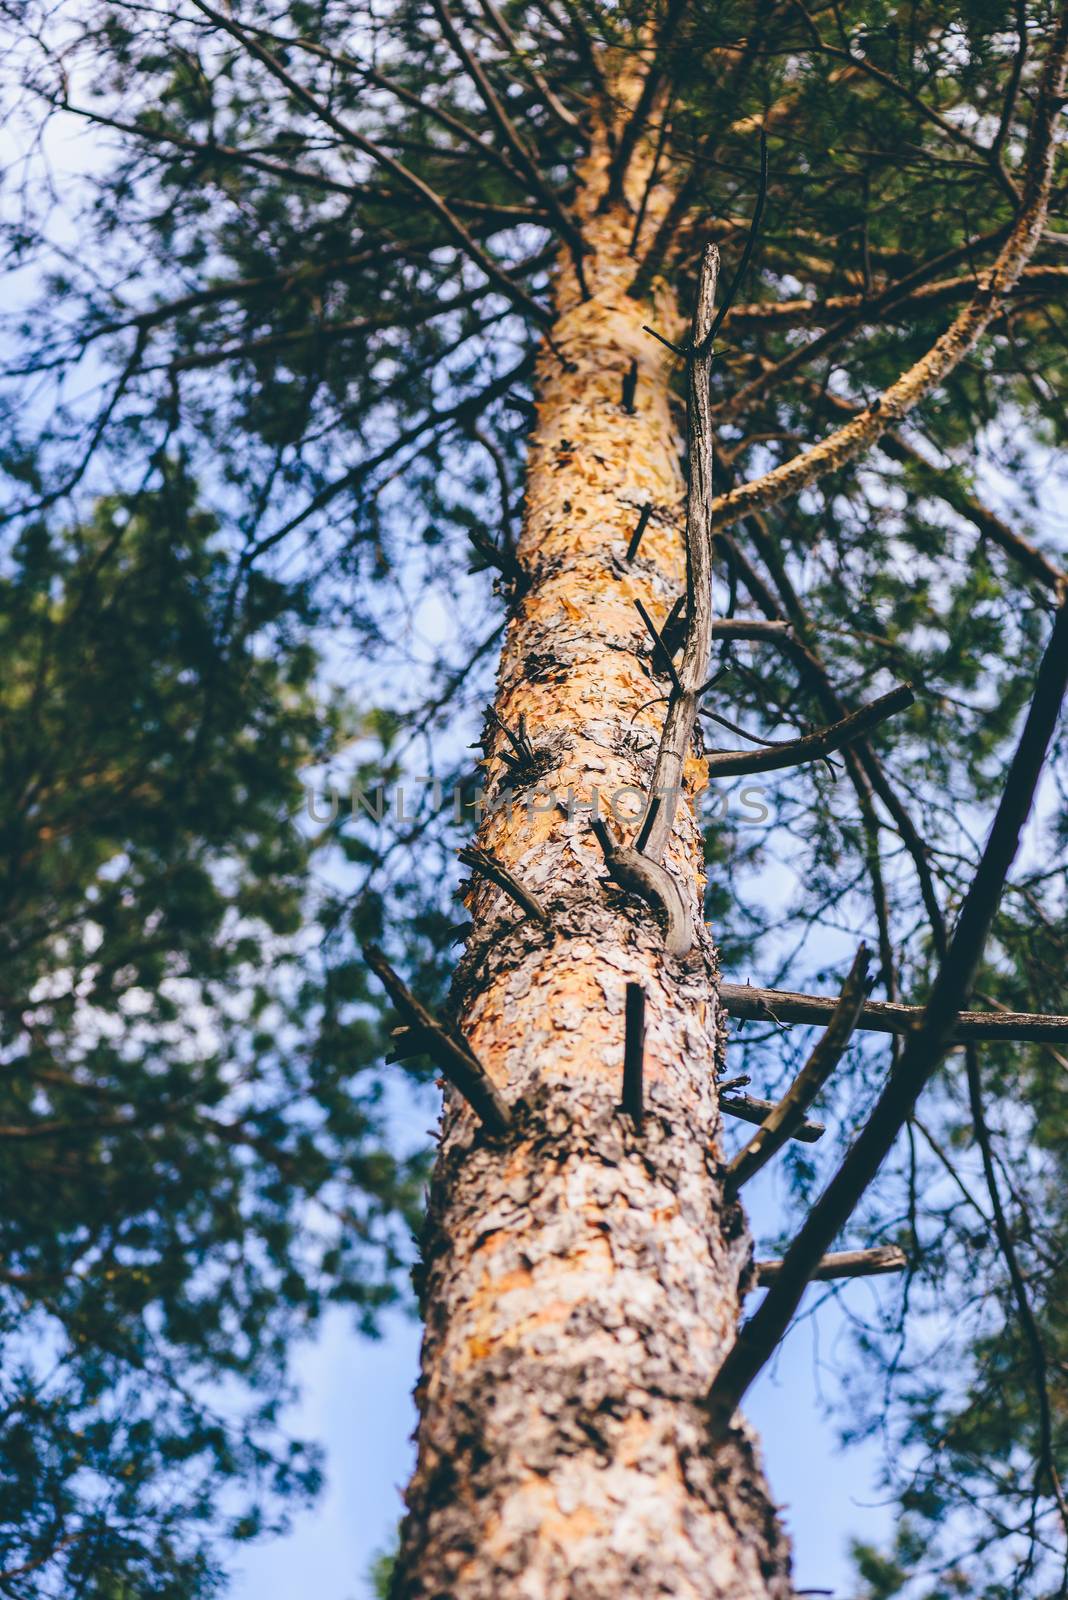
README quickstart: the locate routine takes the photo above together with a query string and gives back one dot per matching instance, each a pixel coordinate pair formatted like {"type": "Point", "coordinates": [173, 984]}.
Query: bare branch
{"type": "Point", "coordinates": [457, 1062]}
{"type": "Point", "coordinates": [690, 678]}
{"type": "Point", "coordinates": [794, 752]}
{"type": "Point", "coordinates": [881, 1016]}
{"type": "Point", "coordinates": [790, 1111]}
{"type": "Point", "coordinates": [755, 629]}
{"type": "Point", "coordinates": [843, 1264]}
{"type": "Point", "coordinates": [749, 1108]}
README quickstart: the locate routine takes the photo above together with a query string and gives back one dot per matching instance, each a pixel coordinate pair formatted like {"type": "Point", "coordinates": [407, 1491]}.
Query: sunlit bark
{"type": "Point", "coordinates": [582, 1278]}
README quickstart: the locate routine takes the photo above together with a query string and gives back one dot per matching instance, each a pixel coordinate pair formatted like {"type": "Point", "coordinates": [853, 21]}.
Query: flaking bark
{"type": "Point", "coordinates": [581, 1276]}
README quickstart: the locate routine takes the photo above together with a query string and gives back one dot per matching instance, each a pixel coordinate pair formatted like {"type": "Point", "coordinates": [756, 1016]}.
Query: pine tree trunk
{"type": "Point", "coordinates": [582, 1276]}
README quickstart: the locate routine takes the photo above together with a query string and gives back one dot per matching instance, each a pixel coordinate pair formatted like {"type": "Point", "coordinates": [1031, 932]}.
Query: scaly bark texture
{"type": "Point", "coordinates": [581, 1279]}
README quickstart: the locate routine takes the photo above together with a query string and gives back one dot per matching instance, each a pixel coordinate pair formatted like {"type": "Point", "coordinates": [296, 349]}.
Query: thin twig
{"type": "Point", "coordinates": [677, 349]}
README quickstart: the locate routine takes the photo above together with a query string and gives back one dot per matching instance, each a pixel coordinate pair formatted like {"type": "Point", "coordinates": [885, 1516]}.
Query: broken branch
{"type": "Point", "coordinates": [483, 862]}
{"type": "Point", "coordinates": [790, 1111]}
{"type": "Point", "coordinates": [634, 1054]}
{"type": "Point", "coordinates": [450, 1052]}
{"type": "Point", "coordinates": [843, 1264]}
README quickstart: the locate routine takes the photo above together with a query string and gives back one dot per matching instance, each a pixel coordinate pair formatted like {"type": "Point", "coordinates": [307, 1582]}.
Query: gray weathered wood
{"type": "Point", "coordinates": [843, 1264]}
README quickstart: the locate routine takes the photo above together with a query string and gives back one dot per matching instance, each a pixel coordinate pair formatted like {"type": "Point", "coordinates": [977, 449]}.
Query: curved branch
{"type": "Point", "coordinates": [732, 763]}
{"type": "Point", "coordinates": [959, 339]}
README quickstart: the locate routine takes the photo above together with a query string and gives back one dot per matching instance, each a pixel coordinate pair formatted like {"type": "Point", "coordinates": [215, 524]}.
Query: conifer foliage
{"type": "Point", "coordinates": [407, 292]}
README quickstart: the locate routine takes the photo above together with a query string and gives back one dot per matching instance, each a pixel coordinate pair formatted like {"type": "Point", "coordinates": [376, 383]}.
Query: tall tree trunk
{"type": "Point", "coordinates": [582, 1276]}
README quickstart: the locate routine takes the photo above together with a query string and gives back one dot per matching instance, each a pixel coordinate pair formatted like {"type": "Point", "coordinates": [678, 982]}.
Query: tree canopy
{"type": "Point", "coordinates": [280, 272]}
{"type": "Point", "coordinates": [193, 1160]}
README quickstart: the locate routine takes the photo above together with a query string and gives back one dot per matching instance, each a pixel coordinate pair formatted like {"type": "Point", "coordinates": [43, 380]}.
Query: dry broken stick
{"type": "Point", "coordinates": [636, 537]}
{"type": "Point", "coordinates": [789, 1114]}
{"type": "Point", "coordinates": [483, 862]}
{"type": "Point", "coordinates": [525, 756]}
{"type": "Point", "coordinates": [794, 752]}
{"type": "Point", "coordinates": [843, 1264]}
{"type": "Point", "coordinates": [634, 1054]}
{"type": "Point", "coordinates": [425, 1035]}
{"type": "Point", "coordinates": [883, 1016]}
{"type": "Point", "coordinates": [748, 1108]}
